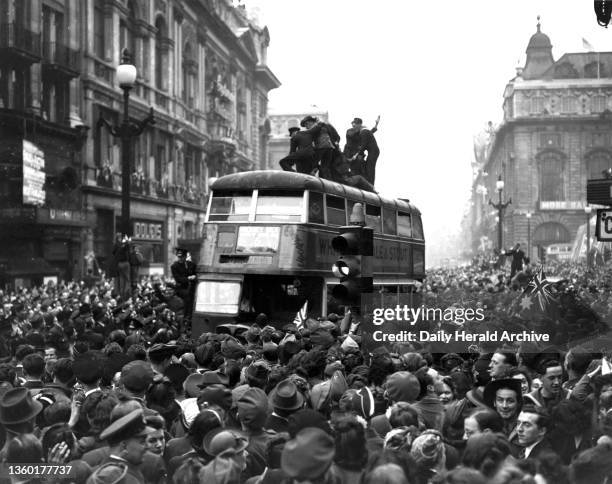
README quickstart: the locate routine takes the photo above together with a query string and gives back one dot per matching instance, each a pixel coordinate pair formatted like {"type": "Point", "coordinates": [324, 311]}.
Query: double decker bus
{"type": "Point", "coordinates": [267, 248]}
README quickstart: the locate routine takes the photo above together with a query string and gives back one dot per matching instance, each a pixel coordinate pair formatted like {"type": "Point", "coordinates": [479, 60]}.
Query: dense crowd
{"type": "Point", "coordinates": [116, 389]}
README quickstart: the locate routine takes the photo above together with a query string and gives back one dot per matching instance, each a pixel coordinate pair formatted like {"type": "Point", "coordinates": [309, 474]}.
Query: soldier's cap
{"type": "Point", "coordinates": [129, 426]}
{"type": "Point", "coordinates": [162, 351]}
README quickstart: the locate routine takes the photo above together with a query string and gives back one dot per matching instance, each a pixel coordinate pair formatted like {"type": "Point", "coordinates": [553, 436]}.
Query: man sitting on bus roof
{"type": "Point", "coordinates": [301, 152]}
{"type": "Point", "coordinates": [341, 173]}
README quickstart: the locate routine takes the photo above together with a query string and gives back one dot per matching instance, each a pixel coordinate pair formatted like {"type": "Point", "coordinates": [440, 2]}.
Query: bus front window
{"type": "Point", "coordinates": [230, 207]}
{"type": "Point", "coordinates": [221, 297]}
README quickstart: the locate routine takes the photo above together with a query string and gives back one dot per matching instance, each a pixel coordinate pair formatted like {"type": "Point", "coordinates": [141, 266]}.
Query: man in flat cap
{"type": "Point", "coordinates": [126, 438]}
{"type": "Point", "coordinates": [301, 152]}
{"type": "Point", "coordinates": [184, 274]}
{"type": "Point", "coordinates": [326, 140]}
{"type": "Point", "coordinates": [161, 356]}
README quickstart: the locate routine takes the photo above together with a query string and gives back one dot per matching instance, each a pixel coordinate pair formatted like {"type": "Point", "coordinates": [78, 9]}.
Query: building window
{"type": "Point", "coordinates": [551, 177]}
{"type": "Point", "coordinates": [568, 104]}
{"type": "Point", "coordinates": [537, 104]}
{"type": "Point", "coordinates": [189, 76]}
{"type": "Point", "coordinates": [160, 54]}
{"type": "Point", "coordinates": [99, 34]}
{"type": "Point", "coordinates": [598, 103]}
{"type": "Point", "coordinates": [598, 162]}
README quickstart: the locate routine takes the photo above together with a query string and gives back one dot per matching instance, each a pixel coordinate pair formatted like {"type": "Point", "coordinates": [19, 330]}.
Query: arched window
{"type": "Point", "coordinates": [550, 233]}
{"type": "Point", "coordinates": [160, 53]}
{"type": "Point", "coordinates": [598, 162]}
{"type": "Point", "coordinates": [189, 75]}
{"type": "Point", "coordinates": [552, 169]}
{"type": "Point", "coordinates": [127, 33]}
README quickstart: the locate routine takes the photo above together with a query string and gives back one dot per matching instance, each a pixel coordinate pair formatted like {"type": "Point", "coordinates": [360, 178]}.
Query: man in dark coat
{"type": "Point", "coordinates": [353, 145]}
{"type": "Point", "coordinates": [184, 274]}
{"type": "Point", "coordinates": [326, 140]}
{"type": "Point", "coordinates": [301, 152]}
{"type": "Point", "coordinates": [367, 142]}
{"type": "Point", "coordinates": [518, 257]}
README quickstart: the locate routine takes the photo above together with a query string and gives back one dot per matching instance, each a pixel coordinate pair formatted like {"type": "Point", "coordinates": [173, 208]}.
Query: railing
{"type": "Point", "coordinates": [103, 71]}
{"type": "Point", "coordinates": [17, 37]}
{"type": "Point", "coordinates": [61, 55]}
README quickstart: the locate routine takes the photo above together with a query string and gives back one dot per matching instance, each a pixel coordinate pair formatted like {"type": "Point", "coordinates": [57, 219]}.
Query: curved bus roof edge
{"type": "Point", "coordinates": [262, 179]}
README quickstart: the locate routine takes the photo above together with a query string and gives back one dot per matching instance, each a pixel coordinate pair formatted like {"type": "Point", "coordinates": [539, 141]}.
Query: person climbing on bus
{"type": "Point", "coordinates": [301, 152]}
{"type": "Point", "coordinates": [326, 142]}
{"type": "Point", "coordinates": [367, 142]}
{"type": "Point", "coordinates": [353, 145]}
{"type": "Point", "coordinates": [184, 274]}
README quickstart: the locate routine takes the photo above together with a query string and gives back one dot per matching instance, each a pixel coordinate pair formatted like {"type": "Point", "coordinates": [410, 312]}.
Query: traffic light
{"type": "Point", "coordinates": [355, 246]}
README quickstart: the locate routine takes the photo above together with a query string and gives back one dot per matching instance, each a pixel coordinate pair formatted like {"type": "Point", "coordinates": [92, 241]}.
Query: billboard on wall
{"type": "Point", "coordinates": [33, 174]}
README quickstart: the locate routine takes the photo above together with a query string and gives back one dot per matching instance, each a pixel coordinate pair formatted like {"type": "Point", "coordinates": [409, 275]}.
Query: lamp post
{"type": "Point", "coordinates": [500, 206]}
{"type": "Point", "coordinates": [587, 210]}
{"type": "Point", "coordinates": [126, 78]}
{"type": "Point", "coordinates": [528, 215]}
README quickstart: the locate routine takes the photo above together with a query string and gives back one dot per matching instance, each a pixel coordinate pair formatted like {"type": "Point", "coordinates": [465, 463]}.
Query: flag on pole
{"type": "Point", "coordinates": [587, 45]}
{"type": "Point", "coordinates": [301, 315]}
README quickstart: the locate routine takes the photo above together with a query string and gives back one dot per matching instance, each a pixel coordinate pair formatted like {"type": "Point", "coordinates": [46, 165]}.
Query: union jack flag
{"type": "Point", "coordinates": [540, 288]}
{"type": "Point", "coordinates": [301, 316]}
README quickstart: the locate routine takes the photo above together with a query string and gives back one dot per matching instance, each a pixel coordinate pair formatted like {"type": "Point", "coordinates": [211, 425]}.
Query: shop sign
{"type": "Point", "coordinates": [144, 230]}
{"type": "Point", "coordinates": [17, 213]}
{"type": "Point", "coordinates": [33, 174]}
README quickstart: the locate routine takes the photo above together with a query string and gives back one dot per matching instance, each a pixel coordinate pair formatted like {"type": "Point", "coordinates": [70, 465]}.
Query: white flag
{"type": "Point", "coordinates": [606, 368]}
{"type": "Point", "coordinates": [587, 45]}
{"type": "Point", "coordinates": [300, 317]}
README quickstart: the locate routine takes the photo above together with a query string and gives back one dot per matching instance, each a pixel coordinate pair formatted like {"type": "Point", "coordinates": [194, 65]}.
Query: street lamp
{"type": "Point", "coordinates": [500, 206]}
{"type": "Point", "coordinates": [528, 215]}
{"type": "Point", "coordinates": [587, 210]}
{"type": "Point", "coordinates": [126, 78]}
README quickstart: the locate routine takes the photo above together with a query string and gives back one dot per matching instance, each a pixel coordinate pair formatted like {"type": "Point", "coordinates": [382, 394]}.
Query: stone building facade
{"type": "Point", "coordinates": [555, 134]}
{"type": "Point", "coordinates": [202, 68]}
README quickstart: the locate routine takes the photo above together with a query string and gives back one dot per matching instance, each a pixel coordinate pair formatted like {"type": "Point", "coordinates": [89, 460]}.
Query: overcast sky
{"type": "Point", "coordinates": [434, 70]}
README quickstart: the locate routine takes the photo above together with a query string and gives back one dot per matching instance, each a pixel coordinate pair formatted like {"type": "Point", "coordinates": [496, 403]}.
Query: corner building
{"type": "Point", "coordinates": [202, 68]}
{"type": "Point", "coordinates": [555, 134]}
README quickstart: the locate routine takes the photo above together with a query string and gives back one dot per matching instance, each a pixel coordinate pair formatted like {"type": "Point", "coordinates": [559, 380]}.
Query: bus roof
{"type": "Point", "coordinates": [276, 179]}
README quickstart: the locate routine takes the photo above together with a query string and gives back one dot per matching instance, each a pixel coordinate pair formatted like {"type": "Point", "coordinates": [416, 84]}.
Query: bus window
{"type": "Point", "coordinates": [389, 226]}
{"type": "Point", "coordinates": [315, 208]}
{"type": "Point", "coordinates": [417, 227]}
{"type": "Point", "coordinates": [418, 257]}
{"type": "Point", "coordinates": [403, 224]}
{"type": "Point", "coordinates": [275, 206]}
{"type": "Point", "coordinates": [217, 297]}
{"type": "Point", "coordinates": [230, 207]}
{"type": "Point", "coordinates": [372, 217]}
{"type": "Point", "coordinates": [336, 212]}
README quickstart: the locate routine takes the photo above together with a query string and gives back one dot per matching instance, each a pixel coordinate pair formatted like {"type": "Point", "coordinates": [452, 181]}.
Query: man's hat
{"type": "Point", "coordinates": [213, 378]}
{"type": "Point", "coordinates": [129, 426]}
{"type": "Point", "coordinates": [224, 442]}
{"type": "Point", "coordinates": [216, 395]}
{"type": "Point", "coordinates": [231, 348]}
{"type": "Point", "coordinates": [286, 396]}
{"type": "Point", "coordinates": [18, 406]}
{"type": "Point", "coordinates": [161, 351]}
{"type": "Point", "coordinates": [309, 454]}
{"type": "Point", "coordinates": [176, 373]}
{"type": "Point", "coordinates": [181, 251]}
{"type": "Point", "coordinates": [293, 129]}
{"type": "Point", "coordinates": [110, 473]}
{"type": "Point", "coordinates": [137, 376]}
{"type": "Point", "coordinates": [491, 388]}
{"type": "Point", "coordinates": [307, 119]}
{"type": "Point", "coordinates": [357, 121]}
{"type": "Point", "coordinates": [192, 385]}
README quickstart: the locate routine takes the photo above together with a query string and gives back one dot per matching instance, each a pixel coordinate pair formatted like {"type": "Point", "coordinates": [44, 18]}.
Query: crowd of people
{"type": "Point", "coordinates": [316, 150]}
{"type": "Point", "coordinates": [116, 388]}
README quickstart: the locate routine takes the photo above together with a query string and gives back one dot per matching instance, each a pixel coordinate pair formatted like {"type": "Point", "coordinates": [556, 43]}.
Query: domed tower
{"type": "Point", "coordinates": [539, 55]}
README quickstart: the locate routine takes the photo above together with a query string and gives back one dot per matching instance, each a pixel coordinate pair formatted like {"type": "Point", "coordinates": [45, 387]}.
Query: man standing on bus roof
{"type": "Point", "coordinates": [301, 152]}
{"type": "Point", "coordinates": [326, 140]}
{"type": "Point", "coordinates": [367, 143]}
{"type": "Point", "coordinates": [184, 274]}
{"type": "Point", "coordinates": [353, 145]}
